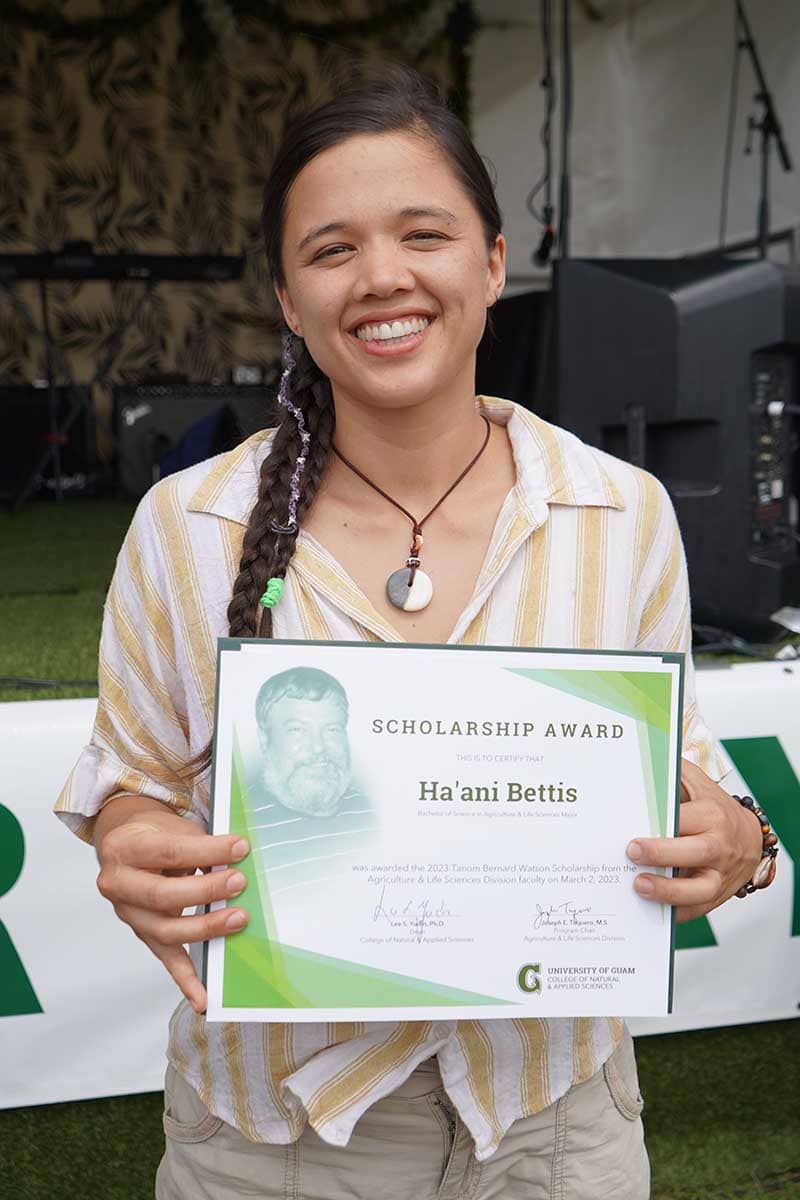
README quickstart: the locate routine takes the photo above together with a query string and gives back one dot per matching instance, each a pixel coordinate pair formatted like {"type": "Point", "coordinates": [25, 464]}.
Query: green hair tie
{"type": "Point", "coordinates": [273, 593]}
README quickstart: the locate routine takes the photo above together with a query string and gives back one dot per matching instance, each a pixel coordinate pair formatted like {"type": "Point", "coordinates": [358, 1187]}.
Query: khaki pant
{"type": "Point", "coordinates": [413, 1146]}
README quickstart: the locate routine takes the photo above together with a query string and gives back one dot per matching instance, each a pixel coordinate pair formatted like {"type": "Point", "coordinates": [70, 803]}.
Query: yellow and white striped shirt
{"type": "Point", "coordinates": [585, 553]}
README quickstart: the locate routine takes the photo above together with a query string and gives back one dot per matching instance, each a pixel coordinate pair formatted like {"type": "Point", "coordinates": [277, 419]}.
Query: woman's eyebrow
{"type": "Point", "coordinates": [440, 214]}
{"type": "Point", "coordinates": [331, 227]}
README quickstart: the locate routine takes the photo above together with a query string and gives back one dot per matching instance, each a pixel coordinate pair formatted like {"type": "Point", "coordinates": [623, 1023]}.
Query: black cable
{"type": "Point", "coordinates": [725, 641]}
{"type": "Point", "coordinates": [20, 682]}
{"type": "Point", "coordinates": [545, 136]}
{"type": "Point", "coordinates": [564, 198]}
{"type": "Point", "coordinates": [732, 107]}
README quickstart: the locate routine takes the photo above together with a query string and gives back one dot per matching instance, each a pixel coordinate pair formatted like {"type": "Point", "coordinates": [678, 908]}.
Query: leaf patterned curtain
{"type": "Point", "coordinates": [148, 127]}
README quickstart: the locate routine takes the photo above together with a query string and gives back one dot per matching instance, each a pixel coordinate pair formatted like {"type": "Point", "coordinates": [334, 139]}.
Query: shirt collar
{"type": "Point", "coordinates": [553, 467]}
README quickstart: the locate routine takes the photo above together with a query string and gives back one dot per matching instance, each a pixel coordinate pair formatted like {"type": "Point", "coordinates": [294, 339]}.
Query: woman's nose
{"type": "Point", "coordinates": [383, 271]}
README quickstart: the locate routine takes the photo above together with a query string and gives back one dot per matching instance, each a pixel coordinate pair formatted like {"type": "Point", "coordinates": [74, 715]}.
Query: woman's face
{"type": "Point", "coordinates": [379, 229]}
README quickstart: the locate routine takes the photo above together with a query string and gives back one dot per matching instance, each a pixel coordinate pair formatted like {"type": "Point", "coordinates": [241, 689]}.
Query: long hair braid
{"type": "Point", "coordinates": [266, 554]}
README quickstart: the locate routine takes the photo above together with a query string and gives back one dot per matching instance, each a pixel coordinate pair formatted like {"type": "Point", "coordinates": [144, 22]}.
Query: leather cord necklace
{"type": "Point", "coordinates": [409, 588]}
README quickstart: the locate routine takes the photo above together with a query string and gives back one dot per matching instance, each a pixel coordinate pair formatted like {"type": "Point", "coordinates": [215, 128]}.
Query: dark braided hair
{"type": "Point", "coordinates": [265, 554]}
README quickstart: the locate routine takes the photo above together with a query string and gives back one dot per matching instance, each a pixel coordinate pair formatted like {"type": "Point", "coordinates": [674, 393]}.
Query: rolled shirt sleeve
{"type": "Point", "coordinates": [140, 741]}
{"type": "Point", "coordinates": [666, 625]}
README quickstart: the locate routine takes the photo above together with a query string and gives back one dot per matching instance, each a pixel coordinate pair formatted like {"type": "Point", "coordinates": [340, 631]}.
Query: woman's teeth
{"type": "Point", "coordinates": [386, 332]}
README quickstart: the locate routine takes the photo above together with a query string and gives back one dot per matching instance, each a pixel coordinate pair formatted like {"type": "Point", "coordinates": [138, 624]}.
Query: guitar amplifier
{"type": "Point", "coordinates": [161, 428]}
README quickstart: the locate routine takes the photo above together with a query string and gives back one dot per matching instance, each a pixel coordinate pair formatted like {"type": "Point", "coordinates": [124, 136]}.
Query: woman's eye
{"type": "Point", "coordinates": [425, 235]}
{"type": "Point", "coordinates": [330, 250]}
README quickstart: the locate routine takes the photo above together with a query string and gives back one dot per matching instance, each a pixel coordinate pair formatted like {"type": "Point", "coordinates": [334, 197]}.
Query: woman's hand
{"type": "Point", "coordinates": [717, 850]}
{"type": "Point", "coordinates": [148, 859]}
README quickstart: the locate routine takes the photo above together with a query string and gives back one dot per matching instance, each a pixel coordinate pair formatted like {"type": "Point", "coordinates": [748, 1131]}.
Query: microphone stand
{"type": "Point", "coordinates": [769, 127]}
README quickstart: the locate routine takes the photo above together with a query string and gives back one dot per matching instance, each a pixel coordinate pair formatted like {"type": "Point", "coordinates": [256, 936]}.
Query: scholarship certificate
{"type": "Point", "coordinates": [440, 831]}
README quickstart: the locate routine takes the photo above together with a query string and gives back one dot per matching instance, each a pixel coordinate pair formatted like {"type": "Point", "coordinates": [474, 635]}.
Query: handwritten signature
{"type": "Point", "coordinates": [567, 913]}
{"type": "Point", "coordinates": [416, 915]}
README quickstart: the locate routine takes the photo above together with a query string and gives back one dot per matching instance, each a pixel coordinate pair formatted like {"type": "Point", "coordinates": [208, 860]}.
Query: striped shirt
{"type": "Point", "coordinates": [585, 553]}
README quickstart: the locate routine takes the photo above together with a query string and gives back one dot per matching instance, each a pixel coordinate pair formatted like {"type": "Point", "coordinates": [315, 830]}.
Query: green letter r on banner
{"type": "Point", "coordinates": [17, 997]}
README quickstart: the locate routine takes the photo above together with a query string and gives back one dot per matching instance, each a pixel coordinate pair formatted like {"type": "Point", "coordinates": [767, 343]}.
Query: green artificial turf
{"type": "Point", "coordinates": [95, 1150]}
{"type": "Point", "coordinates": [722, 1110]}
{"type": "Point", "coordinates": [56, 562]}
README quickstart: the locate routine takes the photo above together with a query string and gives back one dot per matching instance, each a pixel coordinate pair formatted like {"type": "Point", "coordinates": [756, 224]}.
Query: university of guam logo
{"type": "Point", "coordinates": [528, 978]}
{"type": "Point", "coordinates": [17, 996]}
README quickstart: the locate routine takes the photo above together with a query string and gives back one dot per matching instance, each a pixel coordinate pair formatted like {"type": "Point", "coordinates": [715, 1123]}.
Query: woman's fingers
{"type": "Point", "coordinates": [176, 930]}
{"type": "Point", "coordinates": [698, 850]}
{"type": "Point", "coordinates": [130, 885]}
{"type": "Point", "coordinates": [148, 871]}
{"type": "Point", "coordinates": [180, 966]}
{"type": "Point", "coordinates": [147, 847]}
{"type": "Point", "coordinates": [701, 890]}
{"type": "Point", "coordinates": [699, 854]}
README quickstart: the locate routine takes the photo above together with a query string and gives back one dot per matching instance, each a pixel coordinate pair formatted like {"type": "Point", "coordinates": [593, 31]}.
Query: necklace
{"type": "Point", "coordinates": [409, 588]}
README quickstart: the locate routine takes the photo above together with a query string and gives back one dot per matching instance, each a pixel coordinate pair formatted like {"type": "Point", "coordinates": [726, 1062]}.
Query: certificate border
{"type": "Point", "coordinates": [676, 820]}
{"type": "Point", "coordinates": [227, 644]}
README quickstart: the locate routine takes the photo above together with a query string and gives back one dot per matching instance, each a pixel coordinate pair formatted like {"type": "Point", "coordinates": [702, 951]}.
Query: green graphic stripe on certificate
{"type": "Point", "coordinates": [258, 941]}
{"type": "Point", "coordinates": [644, 695]}
{"type": "Point", "coordinates": [647, 697]}
{"type": "Point", "coordinates": [317, 981]}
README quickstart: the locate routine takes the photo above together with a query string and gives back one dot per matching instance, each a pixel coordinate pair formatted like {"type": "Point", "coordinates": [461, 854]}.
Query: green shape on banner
{"type": "Point", "coordinates": [17, 997]}
{"type": "Point", "coordinates": [763, 765]}
{"type": "Point", "coordinates": [692, 935]}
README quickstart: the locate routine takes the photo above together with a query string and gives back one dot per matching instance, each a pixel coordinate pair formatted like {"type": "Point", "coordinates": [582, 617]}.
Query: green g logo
{"type": "Point", "coordinates": [17, 997]}
{"type": "Point", "coordinates": [528, 978]}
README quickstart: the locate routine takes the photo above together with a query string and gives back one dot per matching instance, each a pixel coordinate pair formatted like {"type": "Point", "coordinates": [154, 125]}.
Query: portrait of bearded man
{"type": "Point", "coordinates": [302, 728]}
{"type": "Point", "coordinates": [311, 816]}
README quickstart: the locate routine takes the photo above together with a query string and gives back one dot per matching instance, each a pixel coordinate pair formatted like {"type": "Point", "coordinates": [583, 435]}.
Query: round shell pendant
{"type": "Point", "coordinates": [410, 599]}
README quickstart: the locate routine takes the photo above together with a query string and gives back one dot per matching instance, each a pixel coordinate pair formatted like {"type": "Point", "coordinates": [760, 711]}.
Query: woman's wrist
{"type": "Point", "coordinates": [764, 854]}
{"type": "Point", "coordinates": [120, 810]}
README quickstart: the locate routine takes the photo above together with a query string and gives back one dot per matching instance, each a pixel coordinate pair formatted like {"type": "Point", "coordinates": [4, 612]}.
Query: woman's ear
{"type": "Point", "coordinates": [288, 310]}
{"type": "Point", "coordinates": [496, 274]}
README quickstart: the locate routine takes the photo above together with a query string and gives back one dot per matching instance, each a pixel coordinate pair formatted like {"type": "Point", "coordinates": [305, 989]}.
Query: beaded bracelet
{"type": "Point", "coordinates": [765, 871]}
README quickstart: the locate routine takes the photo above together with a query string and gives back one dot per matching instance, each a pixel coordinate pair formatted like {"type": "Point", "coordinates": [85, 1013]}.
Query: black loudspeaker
{"type": "Point", "coordinates": [161, 428]}
{"type": "Point", "coordinates": [28, 432]}
{"type": "Point", "coordinates": [691, 369]}
{"type": "Point", "coordinates": [516, 358]}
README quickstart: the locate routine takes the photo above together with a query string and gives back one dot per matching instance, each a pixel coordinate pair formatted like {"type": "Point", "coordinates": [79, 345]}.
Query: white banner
{"type": "Point", "coordinates": [752, 973]}
{"type": "Point", "coordinates": [84, 1007]}
{"type": "Point", "coordinates": [105, 999]}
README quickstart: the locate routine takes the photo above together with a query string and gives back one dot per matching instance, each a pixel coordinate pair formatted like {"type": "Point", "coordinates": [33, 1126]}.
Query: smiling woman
{"type": "Point", "coordinates": [383, 239]}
